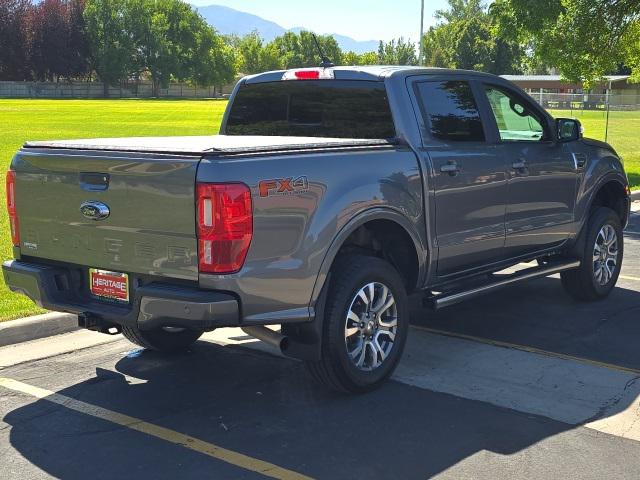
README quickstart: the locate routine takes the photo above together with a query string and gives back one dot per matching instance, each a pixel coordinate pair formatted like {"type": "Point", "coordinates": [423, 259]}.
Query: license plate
{"type": "Point", "coordinates": [106, 284]}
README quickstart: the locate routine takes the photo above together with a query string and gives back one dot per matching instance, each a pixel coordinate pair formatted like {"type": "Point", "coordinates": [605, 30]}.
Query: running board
{"type": "Point", "coordinates": [451, 298]}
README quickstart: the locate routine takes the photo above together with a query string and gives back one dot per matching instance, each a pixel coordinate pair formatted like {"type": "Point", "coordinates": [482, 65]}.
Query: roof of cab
{"type": "Point", "coordinates": [369, 72]}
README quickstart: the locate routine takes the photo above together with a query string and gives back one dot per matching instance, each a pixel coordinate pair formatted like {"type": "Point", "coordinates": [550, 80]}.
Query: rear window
{"type": "Point", "coordinates": [323, 108]}
{"type": "Point", "coordinates": [451, 110]}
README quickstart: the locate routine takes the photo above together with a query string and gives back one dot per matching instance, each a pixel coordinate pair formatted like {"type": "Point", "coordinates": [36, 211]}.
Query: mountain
{"type": "Point", "coordinates": [348, 44]}
{"type": "Point", "coordinates": [228, 20]}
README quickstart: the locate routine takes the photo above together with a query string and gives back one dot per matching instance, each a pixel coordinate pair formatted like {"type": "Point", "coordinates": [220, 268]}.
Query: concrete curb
{"type": "Point", "coordinates": [38, 326]}
{"type": "Point", "coordinates": [635, 196]}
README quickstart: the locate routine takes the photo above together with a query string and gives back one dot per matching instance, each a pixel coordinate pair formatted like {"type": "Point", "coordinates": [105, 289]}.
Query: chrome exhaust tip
{"type": "Point", "coordinates": [275, 339]}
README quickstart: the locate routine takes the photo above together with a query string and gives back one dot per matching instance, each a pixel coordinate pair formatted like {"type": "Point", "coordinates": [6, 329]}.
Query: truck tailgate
{"type": "Point", "coordinates": [150, 227]}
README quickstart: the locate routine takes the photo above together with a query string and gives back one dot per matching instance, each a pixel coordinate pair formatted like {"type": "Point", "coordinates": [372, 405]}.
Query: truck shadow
{"type": "Point", "coordinates": [268, 408]}
{"type": "Point", "coordinates": [265, 407]}
{"type": "Point", "coordinates": [540, 314]}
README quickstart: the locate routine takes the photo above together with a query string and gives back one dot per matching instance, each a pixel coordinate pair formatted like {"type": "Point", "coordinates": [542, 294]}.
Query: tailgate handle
{"type": "Point", "coordinates": [94, 182]}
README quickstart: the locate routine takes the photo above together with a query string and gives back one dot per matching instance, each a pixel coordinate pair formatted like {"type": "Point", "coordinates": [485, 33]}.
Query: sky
{"type": "Point", "coordinates": [359, 19]}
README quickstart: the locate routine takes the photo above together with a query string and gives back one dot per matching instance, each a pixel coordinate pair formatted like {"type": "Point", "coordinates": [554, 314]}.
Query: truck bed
{"type": "Point", "coordinates": [199, 145]}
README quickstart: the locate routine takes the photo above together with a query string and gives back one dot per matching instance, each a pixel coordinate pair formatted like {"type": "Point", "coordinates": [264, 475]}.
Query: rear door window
{"type": "Point", "coordinates": [323, 108]}
{"type": "Point", "coordinates": [450, 111]}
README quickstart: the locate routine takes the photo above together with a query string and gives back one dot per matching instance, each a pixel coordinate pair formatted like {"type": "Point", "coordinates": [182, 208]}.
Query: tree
{"type": "Point", "coordinates": [112, 48]}
{"type": "Point", "coordinates": [76, 59]}
{"type": "Point", "coordinates": [584, 39]}
{"type": "Point", "coordinates": [213, 59]}
{"type": "Point", "coordinates": [254, 56]}
{"type": "Point", "coordinates": [299, 50]}
{"type": "Point", "coordinates": [466, 37]}
{"type": "Point", "coordinates": [57, 42]}
{"type": "Point", "coordinates": [163, 40]}
{"type": "Point", "coordinates": [368, 58]}
{"type": "Point", "coordinates": [173, 42]}
{"type": "Point", "coordinates": [397, 52]}
{"type": "Point", "coordinates": [437, 47]}
{"type": "Point", "coordinates": [14, 53]}
{"type": "Point", "coordinates": [352, 58]}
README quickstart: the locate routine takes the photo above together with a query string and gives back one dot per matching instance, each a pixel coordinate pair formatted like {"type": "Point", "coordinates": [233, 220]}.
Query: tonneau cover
{"type": "Point", "coordinates": [199, 145]}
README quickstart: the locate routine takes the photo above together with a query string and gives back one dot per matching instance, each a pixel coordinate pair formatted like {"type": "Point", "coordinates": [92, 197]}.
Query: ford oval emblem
{"type": "Point", "coordinates": [94, 210]}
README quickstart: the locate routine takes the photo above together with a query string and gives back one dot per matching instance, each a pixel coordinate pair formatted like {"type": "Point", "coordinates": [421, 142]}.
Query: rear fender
{"type": "Point", "coordinates": [380, 213]}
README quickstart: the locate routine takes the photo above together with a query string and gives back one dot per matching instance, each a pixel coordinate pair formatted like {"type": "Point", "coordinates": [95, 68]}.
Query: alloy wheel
{"type": "Point", "coordinates": [371, 326]}
{"type": "Point", "coordinates": [605, 255]}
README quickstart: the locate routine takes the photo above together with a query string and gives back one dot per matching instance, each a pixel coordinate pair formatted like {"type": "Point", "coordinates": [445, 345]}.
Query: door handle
{"type": "Point", "coordinates": [519, 165]}
{"type": "Point", "coordinates": [452, 168]}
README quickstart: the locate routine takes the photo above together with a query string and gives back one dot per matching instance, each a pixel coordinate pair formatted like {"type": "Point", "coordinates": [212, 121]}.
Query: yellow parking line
{"type": "Point", "coordinates": [526, 348]}
{"type": "Point", "coordinates": [177, 438]}
{"type": "Point", "coordinates": [629, 277]}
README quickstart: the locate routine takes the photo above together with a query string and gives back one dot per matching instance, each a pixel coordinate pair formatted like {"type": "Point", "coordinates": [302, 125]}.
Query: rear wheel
{"type": "Point", "coordinates": [164, 339]}
{"type": "Point", "coordinates": [365, 325]}
{"type": "Point", "coordinates": [601, 258]}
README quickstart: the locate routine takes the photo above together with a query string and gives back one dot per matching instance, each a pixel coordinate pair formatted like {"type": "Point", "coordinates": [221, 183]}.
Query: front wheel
{"type": "Point", "coordinates": [365, 325]}
{"type": "Point", "coordinates": [601, 258]}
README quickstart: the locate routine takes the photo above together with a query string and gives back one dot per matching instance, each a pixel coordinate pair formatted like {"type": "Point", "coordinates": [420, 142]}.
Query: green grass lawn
{"type": "Point", "coordinates": [22, 120]}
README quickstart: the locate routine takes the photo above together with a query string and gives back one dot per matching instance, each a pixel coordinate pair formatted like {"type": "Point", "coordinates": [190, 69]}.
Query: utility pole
{"type": "Point", "coordinates": [421, 33]}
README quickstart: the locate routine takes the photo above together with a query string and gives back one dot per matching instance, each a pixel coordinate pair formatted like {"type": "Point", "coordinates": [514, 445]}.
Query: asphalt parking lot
{"type": "Point", "coordinates": [523, 383]}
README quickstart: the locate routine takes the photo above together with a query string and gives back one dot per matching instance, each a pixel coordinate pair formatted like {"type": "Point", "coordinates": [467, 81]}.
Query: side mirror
{"type": "Point", "coordinates": [569, 129]}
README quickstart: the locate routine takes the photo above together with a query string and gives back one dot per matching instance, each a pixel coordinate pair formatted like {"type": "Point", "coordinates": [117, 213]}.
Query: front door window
{"type": "Point", "coordinates": [515, 120]}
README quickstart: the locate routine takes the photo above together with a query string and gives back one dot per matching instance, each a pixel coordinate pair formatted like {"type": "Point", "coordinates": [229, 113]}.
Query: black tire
{"type": "Point", "coordinates": [161, 340]}
{"type": "Point", "coordinates": [582, 283]}
{"type": "Point", "coordinates": [336, 370]}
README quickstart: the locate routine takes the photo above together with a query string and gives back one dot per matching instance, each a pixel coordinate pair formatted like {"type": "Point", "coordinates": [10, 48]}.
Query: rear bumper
{"type": "Point", "coordinates": [152, 305]}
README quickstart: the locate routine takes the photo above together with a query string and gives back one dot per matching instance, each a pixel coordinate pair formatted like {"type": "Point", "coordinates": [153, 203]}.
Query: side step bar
{"type": "Point", "coordinates": [451, 298]}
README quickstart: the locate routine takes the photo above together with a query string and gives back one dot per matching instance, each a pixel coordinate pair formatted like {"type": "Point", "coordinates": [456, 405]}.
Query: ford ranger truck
{"type": "Point", "coordinates": [329, 195]}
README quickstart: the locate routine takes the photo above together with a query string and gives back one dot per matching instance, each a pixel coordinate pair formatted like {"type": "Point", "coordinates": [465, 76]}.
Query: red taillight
{"type": "Point", "coordinates": [225, 226]}
{"type": "Point", "coordinates": [11, 207]}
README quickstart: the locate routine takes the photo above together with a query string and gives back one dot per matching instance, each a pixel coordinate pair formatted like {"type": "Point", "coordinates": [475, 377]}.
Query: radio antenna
{"type": "Point", "coordinates": [326, 63]}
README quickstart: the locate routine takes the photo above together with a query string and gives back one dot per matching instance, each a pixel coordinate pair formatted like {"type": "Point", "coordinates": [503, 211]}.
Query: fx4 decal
{"type": "Point", "coordinates": [283, 186]}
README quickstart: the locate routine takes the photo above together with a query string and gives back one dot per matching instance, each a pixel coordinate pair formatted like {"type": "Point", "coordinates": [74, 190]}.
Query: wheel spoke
{"type": "Point", "coordinates": [598, 274]}
{"type": "Point", "coordinates": [388, 333]}
{"type": "Point", "coordinates": [384, 293]}
{"type": "Point", "coordinates": [606, 273]}
{"type": "Point", "coordinates": [390, 323]}
{"type": "Point", "coordinates": [371, 289]}
{"type": "Point", "coordinates": [610, 268]}
{"type": "Point", "coordinates": [386, 306]}
{"type": "Point", "coordinates": [378, 349]}
{"type": "Point", "coordinates": [375, 362]}
{"type": "Point", "coordinates": [358, 354]}
{"type": "Point", "coordinates": [363, 297]}
{"type": "Point", "coordinates": [353, 317]}
{"type": "Point", "coordinates": [351, 331]}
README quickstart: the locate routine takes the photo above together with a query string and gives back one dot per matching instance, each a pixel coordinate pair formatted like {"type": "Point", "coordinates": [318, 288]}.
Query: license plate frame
{"type": "Point", "coordinates": [110, 285]}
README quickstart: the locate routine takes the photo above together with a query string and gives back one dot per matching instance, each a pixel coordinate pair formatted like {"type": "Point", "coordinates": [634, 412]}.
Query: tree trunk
{"type": "Point", "coordinates": [155, 86]}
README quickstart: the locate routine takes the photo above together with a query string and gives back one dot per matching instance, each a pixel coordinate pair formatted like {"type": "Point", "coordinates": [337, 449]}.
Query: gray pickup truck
{"type": "Point", "coordinates": [328, 197]}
